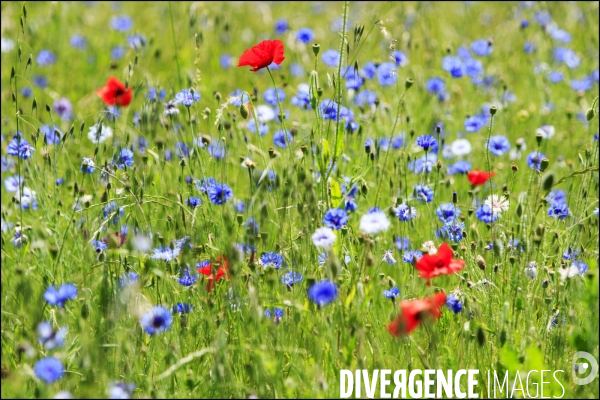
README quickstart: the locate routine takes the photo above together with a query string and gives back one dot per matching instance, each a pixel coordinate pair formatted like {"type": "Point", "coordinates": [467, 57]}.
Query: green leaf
{"type": "Point", "coordinates": [336, 193]}
{"type": "Point", "coordinates": [326, 152]}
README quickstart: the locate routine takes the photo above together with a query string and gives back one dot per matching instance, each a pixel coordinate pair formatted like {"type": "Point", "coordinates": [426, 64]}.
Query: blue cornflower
{"type": "Point", "coordinates": [281, 25]}
{"type": "Point", "coordinates": [555, 76]}
{"type": "Point", "coordinates": [392, 293]}
{"type": "Point", "coordinates": [323, 292]}
{"type": "Point", "coordinates": [453, 231]}
{"type": "Point", "coordinates": [353, 80]}
{"type": "Point", "coordinates": [51, 135]}
{"type": "Point", "coordinates": [182, 308]}
{"type": "Point", "coordinates": [63, 108]}
{"type": "Point", "coordinates": [46, 57]}
{"type": "Point", "coordinates": [263, 129]}
{"type": "Point", "coordinates": [369, 70]}
{"type": "Point", "coordinates": [216, 149]}
{"type": "Point", "coordinates": [302, 98]}
{"type": "Point", "coordinates": [117, 52]}
{"type": "Point", "coordinates": [473, 67]}
{"type": "Point", "coordinates": [583, 267]}
{"type": "Point", "coordinates": [570, 254]}
{"type": "Point", "coordinates": [423, 164]}
{"type": "Point", "coordinates": [482, 47]}
{"type": "Point", "coordinates": [453, 303]}
{"type": "Point", "coordinates": [6, 164]}
{"type": "Point", "coordinates": [583, 84]}
{"type": "Point", "coordinates": [475, 123]}
{"type": "Point", "coordinates": [165, 253]}
{"type": "Point", "coordinates": [193, 201]}
{"type": "Point", "coordinates": [322, 258]}
{"type": "Point", "coordinates": [78, 41]}
{"type": "Point", "coordinates": [128, 279]}
{"type": "Point", "coordinates": [423, 193]}
{"type": "Point", "coordinates": [40, 81]}
{"type": "Point", "coordinates": [464, 53]}
{"type": "Point", "coordinates": [121, 23]}
{"type": "Point", "coordinates": [26, 91]}
{"type": "Point", "coordinates": [120, 390]}
{"type": "Point", "coordinates": [305, 35]}
{"type": "Point", "coordinates": [49, 369]}
{"type": "Point", "coordinates": [454, 65]}
{"type": "Point", "coordinates": [296, 69]}
{"type": "Point", "coordinates": [534, 160]}
{"type": "Point", "coordinates": [560, 35]}
{"type": "Point", "coordinates": [12, 183]}
{"type": "Point", "coordinates": [20, 147]}
{"type": "Point", "coordinates": [402, 243]}
{"type": "Point", "coordinates": [153, 95]}
{"type": "Point", "coordinates": [267, 313]}
{"type": "Point", "coordinates": [291, 277]}
{"type": "Point", "coordinates": [187, 279]}
{"type": "Point", "coordinates": [278, 313]}
{"type": "Point", "coordinates": [87, 166]}
{"type": "Point", "coordinates": [411, 256]}
{"type": "Point", "coordinates": [279, 139]}
{"type": "Point", "coordinates": [404, 212]}
{"type": "Point", "coordinates": [54, 297]}
{"type": "Point", "coordinates": [187, 97]}
{"type": "Point", "coordinates": [400, 59]}
{"type": "Point", "coordinates": [239, 206]}
{"type": "Point", "coordinates": [556, 195]}
{"type": "Point", "coordinates": [48, 337]}
{"type": "Point", "coordinates": [219, 193]}
{"type": "Point", "coordinates": [484, 214]}
{"type": "Point", "coordinates": [99, 245]}
{"type": "Point", "coordinates": [271, 259]}
{"type": "Point", "coordinates": [350, 205]}
{"type": "Point", "coordinates": [335, 218]}
{"type": "Point", "coordinates": [271, 97]}
{"type": "Point", "coordinates": [205, 184]}
{"type": "Point", "coordinates": [251, 225]}
{"type": "Point", "coordinates": [427, 142]}
{"type": "Point", "coordinates": [329, 109]}
{"type": "Point", "coordinates": [447, 212]}
{"type": "Point", "coordinates": [156, 321]}
{"type": "Point", "coordinates": [110, 209]}
{"type": "Point", "coordinates": [498, 145]}
{"type": "Point", "coordinates": [559, 210]}
{"type": "Point", "coordinates": [435, 85]}
{"type": "Point", "coordinates": [368, 144]}
{"type": "Point", "coordinates": [529, 47]}
{"type": "Point", "coordinates": [331, 58]}
{"type": "Point", "coordinates": [397, 142]}
{"type": "Point", "coordinates": [524, 23]}
{"type": "Point", "coordinates": [125, 158]}
{"type": "Point", "coordinates": [386, 74]}
{"type": "Point", "coordinates": [365, 97]}
{"type": "Point", "coordinates": [137, 41]}
{"type": "Point", "coordinates": [566, 56]}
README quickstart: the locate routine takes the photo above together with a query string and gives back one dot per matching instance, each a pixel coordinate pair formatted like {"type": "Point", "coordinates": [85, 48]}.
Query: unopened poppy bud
{"type": "Point", "coordinates": [538, 138]}
{"type": "Point", "coordinates": [244, 111]}
{"type": "Point", "coordinates": [408, 83]}
{"type": "Point", "coordinates": [182, 162]}
{"type": "Point", "coordinates": [480, 262]}
{"type": "Point", "coordinates": [316, 48]}
{"type": "Point", "coordinates": [589, 114]}
{"type": "Point", "coordinates": [544, 164]}
{"type": "Point", "coordinates": [218, 96]}
{"type": "Point", "coordinates": [319, 92]}
{"type": "Point", "coordinates": [545, 283]}
{"type": "Point", "coordinates": [493, 110]}
{"type": "Point", "coordinates": [519, 143]}
{"type": "Point", "coordinates": [454, 197]}
{"type": "Point", "coordinates": [514, 167]}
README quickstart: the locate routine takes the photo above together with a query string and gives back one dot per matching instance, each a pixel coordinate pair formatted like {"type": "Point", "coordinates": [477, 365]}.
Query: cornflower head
{"type": "Point", "coordinates": [271, 259]}
{"type": "Point", "coordinates": [404, 212]}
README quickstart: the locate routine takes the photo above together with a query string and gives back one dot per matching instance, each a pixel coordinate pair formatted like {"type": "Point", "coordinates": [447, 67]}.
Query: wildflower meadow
{"type": "Point", "coordinates": [218, 199]}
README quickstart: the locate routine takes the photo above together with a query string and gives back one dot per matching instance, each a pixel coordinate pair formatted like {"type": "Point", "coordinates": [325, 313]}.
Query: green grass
{"type": "Point", "coordinates": [226, 347]}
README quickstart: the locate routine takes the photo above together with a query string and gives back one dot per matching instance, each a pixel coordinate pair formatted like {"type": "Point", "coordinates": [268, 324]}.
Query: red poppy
{"type": "Point", "coordinates": [441, 263]}
{"type": "Point", "coordinates": [115, 92]}
{"type": "Point", "coordinates": [262, 55]}
{"type": "Point", "coordinates": [115, 240]}
{"type": "Point", "coordinates": [414, 312]}
{"type": "Point", "coordinates": [478, 178]}
{"type": "Point", "coordinates": [223, 271]}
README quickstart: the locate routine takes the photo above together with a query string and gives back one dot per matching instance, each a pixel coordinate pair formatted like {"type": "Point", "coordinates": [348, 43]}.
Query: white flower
{"type": "Point", "coordinates": [323, 237]}
{"type": "Point", "coordinates": [374, 223]}
{"type": "Point", "coordinates": [429, 247]}
{"type": "Point", "coordinates": [142, 243]}
{"type": "Point", "coordinates": [264, 113]}
{"type": "Point", "coordinates": [497, 204]}
{"type": "Point", "coordinates": [461, 147]}
{"type": "Point", "coordinates": [531, 270]}
{"type": "Point", "coordinates": [99, 137]}
{"type": "Point", "coordinates": [6, 45]}
{"type": "Point", "coordinates": [547, 131]}
{"type": "Point", "coordinates": [569, 272]}
{"type": "Point", "coordinates": [27, 196]}
{"type": "Point", "coordinates": [388, 257]}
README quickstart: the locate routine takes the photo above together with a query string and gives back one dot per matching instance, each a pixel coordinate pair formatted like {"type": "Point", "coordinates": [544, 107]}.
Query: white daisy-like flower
{"type": "Point", "coordinates": [547, 131]}
{"type": "Point", "coordinates": [498, 204]}
{"type": "Point", "coordinates": [388, 257]}
{"type": "Point", "coordinates": [569, 272]}
{"type": "Point", "coordinates": [429, 247]}
{"type": "Point", "coordinates": [461, 147]}
{"type": "Point", "coordinates": [323, 237]}
{"type": "Point", "coordinates": [374, 223]}
{"type": "Point", "coordinates": [97, 135]}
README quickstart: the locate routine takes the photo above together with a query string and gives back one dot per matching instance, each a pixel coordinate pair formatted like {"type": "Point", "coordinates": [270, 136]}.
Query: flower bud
{"type": "Point", "coordinates": [316, 48]}
{"type": "Point", "coordinates": [480, 262]}
{"type": "Point", "coordinates": [408, 83]}
{"type": "Point", "coordinates": [493, 110]}
{"type": "Point", "coordinates": [244, 111]}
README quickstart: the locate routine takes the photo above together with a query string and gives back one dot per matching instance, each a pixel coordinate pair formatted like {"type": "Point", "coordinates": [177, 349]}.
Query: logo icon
{"type": "Point", "coordinates": [590, 364]}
